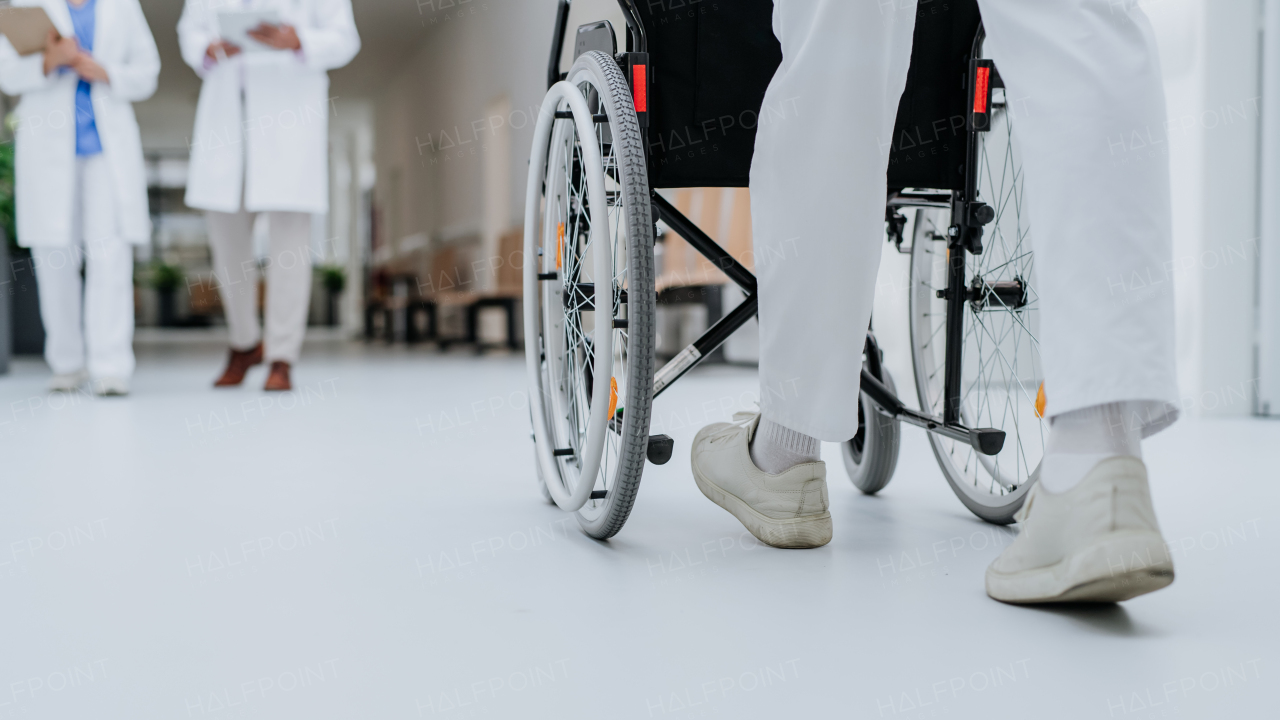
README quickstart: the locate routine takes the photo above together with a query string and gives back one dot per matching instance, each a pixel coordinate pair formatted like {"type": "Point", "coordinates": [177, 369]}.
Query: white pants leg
{"type": "Point", "coordinates": [818, 185]}
{"type": "Point", "coordinates": [1082, 75]}
{"type": "Point", "coordinates": [288, 267]}
{"type": "Point", "coordinates": [108, 275]}
{"type": "Point", "coordinates": [61, 299]}
{"type": "Point", "coordinates": [288, 284]}
{"type": "Point", "coordinates": [105, 339]}
{"type": "Point", "coordinates": [236, 270]}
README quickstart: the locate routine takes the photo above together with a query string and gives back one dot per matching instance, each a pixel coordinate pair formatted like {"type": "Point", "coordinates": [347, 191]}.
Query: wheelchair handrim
{"type": "Point", "coordinates": [588, 449]}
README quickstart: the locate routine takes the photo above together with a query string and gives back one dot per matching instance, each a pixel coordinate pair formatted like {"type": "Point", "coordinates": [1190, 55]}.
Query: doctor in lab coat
{"type": "Point", "coordinates": [260, 145]}
{"type": "Point", "coordinates": [81, 189]}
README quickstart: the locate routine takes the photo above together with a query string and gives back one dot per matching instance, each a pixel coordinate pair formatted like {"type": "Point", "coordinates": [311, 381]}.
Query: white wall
{"type": "Point", "coordinates": [438, 130]}
{"type": "Point", "coordinates": [351, 176]}
{"type": "Point", "coordinates": [435, 124]}
{"type": "Point", "coordinates": [1269, 242]}
{"type": "Point", "coordinates": [1211, 60]}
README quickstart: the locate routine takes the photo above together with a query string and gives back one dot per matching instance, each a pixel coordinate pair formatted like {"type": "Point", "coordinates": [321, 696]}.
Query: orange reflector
{"type": "Point", "coordinates": [613, 396]}
{"type": "Point", "coordinates": [560, 246]}
{"type": "Point", "coordinates": [980, 90]}
{"type": "Point", "coordinates": [1040, 402]}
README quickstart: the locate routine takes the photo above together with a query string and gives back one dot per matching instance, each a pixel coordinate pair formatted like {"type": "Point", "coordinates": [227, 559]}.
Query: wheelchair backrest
{"type": "Point", "coordinates": [712, 61]}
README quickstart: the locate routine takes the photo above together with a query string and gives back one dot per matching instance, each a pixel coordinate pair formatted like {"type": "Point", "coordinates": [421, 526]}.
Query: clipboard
{"type": "Point", "coordinates": [27, 28]}
{"type": "Point", "coordinates": [234, 27]}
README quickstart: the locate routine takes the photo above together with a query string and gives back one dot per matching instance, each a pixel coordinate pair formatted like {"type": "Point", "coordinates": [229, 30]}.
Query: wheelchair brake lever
{"type": "Point", "coordinates": [896, 224]}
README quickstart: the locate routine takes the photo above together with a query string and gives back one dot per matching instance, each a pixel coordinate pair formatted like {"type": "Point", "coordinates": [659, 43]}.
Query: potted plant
{"type": "Point", "coordinates": [166, 279]}
{"type": "Point", "coordinates": [334, 280]}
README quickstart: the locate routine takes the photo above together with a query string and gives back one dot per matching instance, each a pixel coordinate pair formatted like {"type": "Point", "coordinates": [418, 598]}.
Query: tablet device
{"type": "Point", "coordinates": [234, 27]}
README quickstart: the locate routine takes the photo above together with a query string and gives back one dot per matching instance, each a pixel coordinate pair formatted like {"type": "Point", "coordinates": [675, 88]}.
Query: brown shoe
{"type": "Point", "coordinates": [238, 364]}
{"type": "Point", "coordinates": [278, 380]}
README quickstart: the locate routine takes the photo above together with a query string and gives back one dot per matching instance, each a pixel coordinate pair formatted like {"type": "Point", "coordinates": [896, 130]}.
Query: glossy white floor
{"type": "Point", "coordinates": [373, 546]}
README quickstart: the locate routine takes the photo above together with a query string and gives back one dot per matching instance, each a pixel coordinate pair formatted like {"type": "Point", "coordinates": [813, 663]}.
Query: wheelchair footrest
{"type": "Point", "coordinates": [660, 448]}
{"type": "Point", "coordinates": [987, 441]}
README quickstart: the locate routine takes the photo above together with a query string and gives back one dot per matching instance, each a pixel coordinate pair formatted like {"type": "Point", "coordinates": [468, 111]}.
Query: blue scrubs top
{"type": "Point", "coordinates": [87, 141]}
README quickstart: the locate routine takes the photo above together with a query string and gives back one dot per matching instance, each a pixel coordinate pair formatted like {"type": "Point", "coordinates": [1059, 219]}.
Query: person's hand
{"type": "Point", "coordinates": [280, 37]}
{"type": "Point", "coordinates": [221, 49]}
{"type": "Point", "coordinates": [88, 68]}
{"type": "Point", "coordinates": [59, 51]}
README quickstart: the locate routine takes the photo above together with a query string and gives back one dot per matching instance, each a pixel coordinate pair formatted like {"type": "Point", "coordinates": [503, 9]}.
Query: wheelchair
{"type": "Point", "coordinates": [621, 124]}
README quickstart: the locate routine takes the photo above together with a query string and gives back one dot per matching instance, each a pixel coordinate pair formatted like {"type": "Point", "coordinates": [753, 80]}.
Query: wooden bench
{"type": "Point", "coordinates": [685, 277]}
{"type": "Point", "coordinates": [453, 283]}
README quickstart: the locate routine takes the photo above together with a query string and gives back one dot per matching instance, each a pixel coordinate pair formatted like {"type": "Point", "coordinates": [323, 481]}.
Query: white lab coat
{"type": "Point", "coordinates": [283, 113]}
{"type": "Point", "coordinates": [45, 142]}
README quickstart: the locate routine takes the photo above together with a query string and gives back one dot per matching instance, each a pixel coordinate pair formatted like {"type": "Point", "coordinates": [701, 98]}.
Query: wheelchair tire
{"type": "Point", "coordinates": [871, 456]}
{"type": "Point", "coordinates": [580, 185]}
{"type": "Point", "coordinates": [1001, 369]}
{"type": "Point", "coordinates": [542, 483]}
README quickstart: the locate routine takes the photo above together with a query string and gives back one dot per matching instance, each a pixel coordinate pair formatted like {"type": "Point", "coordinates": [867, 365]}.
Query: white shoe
{"type": "Point", "coordinates": [1097, 542]}
{"type": "Point", "coordinates": [68, 382]}
{"type": "Point", "coordinates": [111, 387]}
{"type": "Point", "coordinates": [787, 510]}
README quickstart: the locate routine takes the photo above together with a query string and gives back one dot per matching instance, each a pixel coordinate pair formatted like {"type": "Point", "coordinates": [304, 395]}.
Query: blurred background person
{"type": "Point", "coordinates": [81, 193]}
{"type": "Point", "coordinates": [260, 145]}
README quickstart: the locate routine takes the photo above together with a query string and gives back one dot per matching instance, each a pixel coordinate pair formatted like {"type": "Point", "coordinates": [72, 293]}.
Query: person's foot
{"type": "Point", "coordinates": [1097, 542]}
{"type": "Point", "coordinates": [238, 363]}
{"type": "Point", "coordinates": [785, 510]}
{"type": "Point", "coordinates": [68, 382]}
{"type": "Point", "coordinates": [110, 387]}
{"type": "Point", "coordinates": [278, 380]}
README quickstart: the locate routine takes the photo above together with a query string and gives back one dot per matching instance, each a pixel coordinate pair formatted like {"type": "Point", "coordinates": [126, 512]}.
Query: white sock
{"type": "Point", "coordinates": [1080, 439]}
{"type": "Point", "coordinates": [776, 448]}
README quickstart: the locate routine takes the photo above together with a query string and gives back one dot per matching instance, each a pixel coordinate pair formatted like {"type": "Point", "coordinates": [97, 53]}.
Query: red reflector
{"type": "Point", "coordinates": [640, 87]}
{"type": "Point", "coordinates": [980, 90]}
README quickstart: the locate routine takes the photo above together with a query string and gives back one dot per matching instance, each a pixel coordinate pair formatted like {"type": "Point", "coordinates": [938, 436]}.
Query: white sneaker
{"type": "Point", "coordinates": [1097, 542]}
{"type": "Point", "coordinates": [787, 510]}
{"type": "Point", "coordinates": [68, 382]}
{"type": "Point", "coordinates": [111, 387]}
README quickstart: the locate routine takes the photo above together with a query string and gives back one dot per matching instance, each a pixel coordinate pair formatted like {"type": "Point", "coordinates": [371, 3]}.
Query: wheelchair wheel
{"type": "Point", "coordinates": [589, 296]}
{"type": "Point", "coordinates": [1002, 372]}
{"type": "Point", "coordinates": [871, 456]}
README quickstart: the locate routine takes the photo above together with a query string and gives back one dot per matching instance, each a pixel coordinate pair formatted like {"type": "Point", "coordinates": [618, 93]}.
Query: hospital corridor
{"type": "Point", "coordinates": [753, 359]}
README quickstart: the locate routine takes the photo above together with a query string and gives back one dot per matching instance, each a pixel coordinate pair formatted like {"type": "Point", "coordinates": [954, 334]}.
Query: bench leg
{"type": "Point", "coordinates": [411, 325]}
{"type": "Point", "coordinates": [473, 317]}
{"type": "Point", "coordinates": [511, 324]}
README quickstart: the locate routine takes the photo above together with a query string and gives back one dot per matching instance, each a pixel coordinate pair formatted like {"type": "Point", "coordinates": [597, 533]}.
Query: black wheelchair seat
{"type": "Point", "coordinates": [711, 64]}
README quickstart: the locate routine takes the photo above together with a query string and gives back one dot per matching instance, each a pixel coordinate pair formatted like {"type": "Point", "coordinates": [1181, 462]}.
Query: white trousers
{"type": "Point", "coordinates": [88, 323]}
{"type": "Point", "coordinates": [288, 266]}
{"type": "Point", "coordinates": [1083, 76]}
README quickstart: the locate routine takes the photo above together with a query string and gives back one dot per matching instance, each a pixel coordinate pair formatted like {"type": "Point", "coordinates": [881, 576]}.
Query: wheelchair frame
{"type": "Point", "coordinates": [969, 217]}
